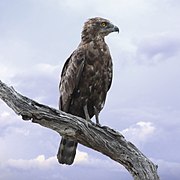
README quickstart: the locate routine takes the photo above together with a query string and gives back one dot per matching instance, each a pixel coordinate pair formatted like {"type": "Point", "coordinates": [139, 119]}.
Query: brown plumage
{"type": "Point", "coordinates": [85, 79]}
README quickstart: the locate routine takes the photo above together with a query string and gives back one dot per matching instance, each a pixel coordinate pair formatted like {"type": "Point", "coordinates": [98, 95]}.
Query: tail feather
{"type": "Point", "coordinates": [67, 151]}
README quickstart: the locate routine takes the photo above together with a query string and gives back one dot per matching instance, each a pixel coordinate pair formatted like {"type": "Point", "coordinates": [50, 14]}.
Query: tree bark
{"type": "Point", "coordinates": [103, 139]}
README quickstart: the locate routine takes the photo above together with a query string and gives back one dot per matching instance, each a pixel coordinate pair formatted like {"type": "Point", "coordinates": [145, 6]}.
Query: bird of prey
{"type": "Point", "coordinates": [85, 79]}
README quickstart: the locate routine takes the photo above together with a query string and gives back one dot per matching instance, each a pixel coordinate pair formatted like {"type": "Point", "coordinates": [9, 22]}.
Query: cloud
{"type": "Point", "coordinates": [81, 157]}
{"type": "Point", "coordinates": [47, 69]}
{"type": "Point", "coordinates": [39, 82]}
{"type": "Point", "coordinates": [167, 169]}
{"type": "Point", "coordinates": [93, 161]}
{"type": "Point", "coordinates": [5, 73]}
{"type": "Point", "coordinates": [49, 168]}
{"type": "Point", "coordinates": [158, 48]}
{"type": "Point", "coordinates": [39, 162]}
{"type": "Point", "coordinates": [22, 139]}
{"type": "Point", "coordinates": [140, 132]}
{"type": "Point", "coordinates": [6, 117]}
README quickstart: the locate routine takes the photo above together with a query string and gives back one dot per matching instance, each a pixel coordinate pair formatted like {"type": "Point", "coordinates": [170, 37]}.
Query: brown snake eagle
{"type": "Point", "coordinates": [85, 79]}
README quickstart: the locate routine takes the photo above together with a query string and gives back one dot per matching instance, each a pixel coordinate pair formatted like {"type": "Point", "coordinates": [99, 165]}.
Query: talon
{"type": "Point", "coordinates": [86, 122]}
{"type": "Point", "coordinates": [98, 124]}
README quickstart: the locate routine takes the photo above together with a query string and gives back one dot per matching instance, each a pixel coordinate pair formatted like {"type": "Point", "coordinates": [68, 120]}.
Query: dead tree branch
{"type": "Point", "coordinates": [102, 139]}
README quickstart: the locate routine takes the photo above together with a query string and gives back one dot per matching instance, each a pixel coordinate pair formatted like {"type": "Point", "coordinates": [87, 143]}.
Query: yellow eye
{"type": "Point", "coordinates": [103, 24]}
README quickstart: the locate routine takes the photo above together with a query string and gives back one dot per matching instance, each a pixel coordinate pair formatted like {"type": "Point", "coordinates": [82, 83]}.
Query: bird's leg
{"type": "Point", "coordinates": [86, 113]}
{"type": "Point", "coordinates": [96, 116]}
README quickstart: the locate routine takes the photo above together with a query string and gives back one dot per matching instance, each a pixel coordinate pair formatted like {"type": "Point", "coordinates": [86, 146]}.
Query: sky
{"type": "Point", "coordinates": [37, 36]}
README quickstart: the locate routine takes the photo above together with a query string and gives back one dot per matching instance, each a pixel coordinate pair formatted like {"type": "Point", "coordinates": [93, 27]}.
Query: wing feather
{"type": "Point", "coordinates": [70, 78]}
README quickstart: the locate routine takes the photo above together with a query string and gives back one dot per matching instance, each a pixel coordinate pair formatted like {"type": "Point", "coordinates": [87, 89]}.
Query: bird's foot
{"type": "Point", "coordinates": [88, 120]}
{"type": "Point", "coordinates": [98, 124]}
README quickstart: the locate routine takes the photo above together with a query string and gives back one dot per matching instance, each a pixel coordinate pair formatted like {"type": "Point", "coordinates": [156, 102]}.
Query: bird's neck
{"type": "Point", "coordinates": [90, 38]}
{"type": "Point", "coordinates": [89, 35]}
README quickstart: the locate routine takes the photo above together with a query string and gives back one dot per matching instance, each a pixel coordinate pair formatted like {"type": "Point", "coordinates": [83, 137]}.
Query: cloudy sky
{"type": "Point", "coordinates": [37, 36]}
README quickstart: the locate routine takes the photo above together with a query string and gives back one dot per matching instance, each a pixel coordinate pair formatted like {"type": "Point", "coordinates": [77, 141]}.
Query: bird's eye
{"type": "Point", "coordinates": [103, 24]}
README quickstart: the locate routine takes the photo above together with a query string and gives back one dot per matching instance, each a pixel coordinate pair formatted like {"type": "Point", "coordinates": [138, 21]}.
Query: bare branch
{"type": "Point", "coordinates": [102, 139]}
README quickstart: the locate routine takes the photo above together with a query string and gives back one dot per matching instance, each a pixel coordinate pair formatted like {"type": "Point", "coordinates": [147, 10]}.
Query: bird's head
{"type": "Point", "coordinates": [97, 27]}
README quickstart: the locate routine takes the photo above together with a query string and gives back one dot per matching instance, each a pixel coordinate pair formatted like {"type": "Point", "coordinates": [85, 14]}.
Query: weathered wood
{"type": "Point", "coordinates": [102, 139]}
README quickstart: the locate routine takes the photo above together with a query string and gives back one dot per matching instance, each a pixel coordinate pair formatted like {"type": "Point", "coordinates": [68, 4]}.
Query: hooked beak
{"type": "Point", "coordinates": [115, 29]}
